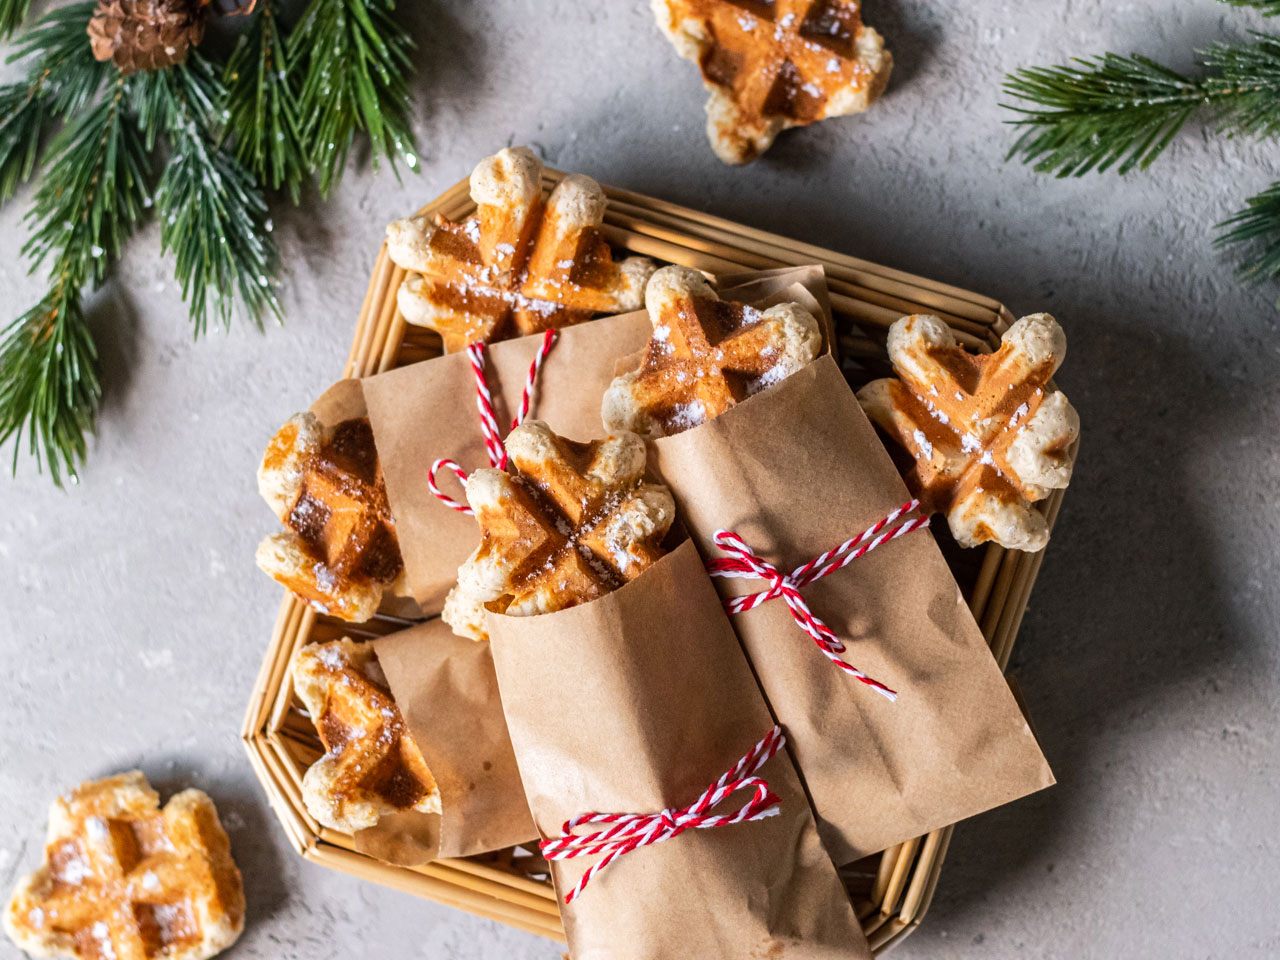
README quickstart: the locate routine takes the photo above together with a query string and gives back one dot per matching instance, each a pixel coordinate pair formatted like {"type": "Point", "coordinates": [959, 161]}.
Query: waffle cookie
{"type": "Point", "coordinates": [705, 355]}
{"type": "Point", "coordinates": [124, 879]}
{"type": "Point", "coordinates": [988, 435]}
{"type": "Point", "coordinates": [574, 522]}
{"type": "Point", "coordinates": [339, 549]}
{"type": "Point", "coordinates": [371, 766]}
{"type": "Point", "coordinates": [773, 64]}
{"type": "Point", "coordinates": [521, 265]}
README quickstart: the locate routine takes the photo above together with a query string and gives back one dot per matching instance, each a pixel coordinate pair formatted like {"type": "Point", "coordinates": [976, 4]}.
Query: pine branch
{"type": "Point", "coordinates": [1257, 228]}
{"type": "Point", "coordinates": [212, 212]}
{"type": "Point", "coordinates": [48, 385]}
{"type": "Point", "coordinates": [93, 193]}
{"type": "Point", "coordinates": [56, 48]}
{"type": "Point", "coordinates": [262, 107]}
{"type": "Point", "coordinates": [353, 57]}
{"type": "Point", "coordinates": [1248, 84]}
{"type": "Point", "coordinates": [23, 120]}
{"type": "Point", "coordinates": [60, 80]}
{"type": "Point", "coordinates": [12, 13]}
{"type": "Point", "coordinates": [1110, 110]}
{"type": "Point", "coordinates": [1268, 8]}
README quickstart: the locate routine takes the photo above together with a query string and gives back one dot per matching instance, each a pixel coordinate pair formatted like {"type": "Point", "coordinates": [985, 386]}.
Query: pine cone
{"type": "Point", "coordinates": [146, 34]}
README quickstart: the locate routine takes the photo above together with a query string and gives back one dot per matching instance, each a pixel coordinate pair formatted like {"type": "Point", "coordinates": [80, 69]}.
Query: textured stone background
{"type": "Point", "coordinates": [136, 619]}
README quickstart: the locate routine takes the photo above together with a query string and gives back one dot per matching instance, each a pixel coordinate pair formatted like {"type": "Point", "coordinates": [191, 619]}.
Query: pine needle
{"type": "Point", "coordinates": [48, 385]}
{"type": "Point", "coordinates": [1268, 8]}
{"type": "Point", "coordinates": [93, 191]}
{"type": "Point", "coordinates": [12, 13]}
{"type": "Point", "coordinates": [92, 194]}
{"type": "Point", "coordinates": [1110, 110]}
{"type": "Point", "coordinates": [213, 215]}
{"type": "Point", "coordinates": [262, 107]}
{"type": "Point", "coordinates": [352, 57]}
{"type": "Point", "coordinates": [1247, 85]}
{"type": "Point", "coordinates": [22, 123]}
{"type": "Point", "coordinates": [1257, 228]}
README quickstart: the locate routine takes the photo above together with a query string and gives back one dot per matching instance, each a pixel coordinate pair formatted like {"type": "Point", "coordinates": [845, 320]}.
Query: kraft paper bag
{"type": "Point", "coordinates": [636, 703]}
{"type": "Point", "coordinates": [795, 471]}
{"type": "Point", "coordinates": [447, 692]}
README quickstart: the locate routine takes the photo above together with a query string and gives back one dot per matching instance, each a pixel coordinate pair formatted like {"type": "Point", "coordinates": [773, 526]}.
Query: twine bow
{"type": "Point", "coordinates": [743, 562]}
{"type": "Point", "coordinates": [629, 831]}
{"type": "Point", "coordinates": [488, 420]}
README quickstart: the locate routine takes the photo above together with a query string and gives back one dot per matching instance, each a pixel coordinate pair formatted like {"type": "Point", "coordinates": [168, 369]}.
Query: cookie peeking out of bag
{"type": "Point", "coordinates": [705, 355]}
{"type": "Point", "coordinates": [574, 522]}
{"type": "Point", "coordinates": [338, 550]}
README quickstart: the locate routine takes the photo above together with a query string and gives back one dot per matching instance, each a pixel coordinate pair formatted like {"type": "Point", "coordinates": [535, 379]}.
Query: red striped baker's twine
{"type": "Point", "coordinates": [488, 421]}
{"type": "Point", "coordinates": [628, 831]}
{"type": "Point", "coordinates": [743, 562]}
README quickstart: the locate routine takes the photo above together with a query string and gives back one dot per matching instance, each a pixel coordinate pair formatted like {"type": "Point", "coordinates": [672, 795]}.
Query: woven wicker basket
{"type": "Point", "coordinates": [891, 890]}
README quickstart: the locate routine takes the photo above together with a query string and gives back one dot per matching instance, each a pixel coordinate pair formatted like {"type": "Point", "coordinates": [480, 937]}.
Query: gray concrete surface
{"type": "Point", "coordinates": [136, 619]}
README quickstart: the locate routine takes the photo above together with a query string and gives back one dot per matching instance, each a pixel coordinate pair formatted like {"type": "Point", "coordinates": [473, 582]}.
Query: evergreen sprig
{"type": "Point", "coordinates": [1122, 112]}
{"type": "Point", "coordinates": [59, 80]}
{"type": "Point", "coordinates": [262, 113]}
{"type": "Point", "coordinates": [92, 195]}
{"type": "Point", "coordinates": [352, 58]}
{"type": "Point", "coordinates": [212, 212]}
{"type": "Point", "coordinates": [200, 141]}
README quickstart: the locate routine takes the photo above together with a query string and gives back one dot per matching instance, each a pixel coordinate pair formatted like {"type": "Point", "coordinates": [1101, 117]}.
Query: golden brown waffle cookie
{"type": "Point", "coordinates": [339, 550]}
{"type": "Point", "coordinates": [371, 766]}
{"type": "Point", "coordinates": [773, 64]}
{"type": "Point", "coordinates": [126, 880]}
{"type": "Point", "coordinates": [521, 265]}
{"type": "Point", "coordinates": [574, 523]}
{"type": "Point", "coordinates": [988, 435]}
{"type": "Point", "coordinates": [706, 354]}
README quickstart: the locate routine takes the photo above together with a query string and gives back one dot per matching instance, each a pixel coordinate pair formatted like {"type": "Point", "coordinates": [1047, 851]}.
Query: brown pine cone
{"type": "Point", "coordinates": [145, 34]}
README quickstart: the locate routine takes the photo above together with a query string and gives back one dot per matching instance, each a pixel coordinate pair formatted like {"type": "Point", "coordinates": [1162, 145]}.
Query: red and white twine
{"type": "Point", "coordinates": [629, 831]}
{"type": "Point", "coordinates": [743, 562]}
{"type": "Point", "coordinates": [488, 420]}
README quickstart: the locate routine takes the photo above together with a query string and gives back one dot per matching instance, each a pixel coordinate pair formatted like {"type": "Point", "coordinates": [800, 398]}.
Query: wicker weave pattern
{"type": "Point", "coordinates": [891, 890]}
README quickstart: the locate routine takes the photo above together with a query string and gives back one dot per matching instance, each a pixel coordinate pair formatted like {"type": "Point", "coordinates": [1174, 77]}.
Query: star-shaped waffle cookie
{"type": "Point", "coordinates": [371, 765]}
{"type": "Point", "coordinates": [773, 64]}
{"type": "Point", "coordinates": [705, 355]}
{"type": "Point", "coordinates": [573, 523]}
{"type": "Point", "coordinates": [988, 434]}
{"type": "Point", "coordinates": [339, 550]}
{"type": "Point", "coordinates": [520, 265]}
{"type": "Point", "coordinates": [126, 880]}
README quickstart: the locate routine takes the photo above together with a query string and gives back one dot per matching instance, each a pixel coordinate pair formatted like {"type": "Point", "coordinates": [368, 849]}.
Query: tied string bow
{"type": "Point", "coordinates": [629, 831]}
{"type": "Point", "coordinates": [743, 562]}
{"type": "Point", "coordinates": [488, 420]}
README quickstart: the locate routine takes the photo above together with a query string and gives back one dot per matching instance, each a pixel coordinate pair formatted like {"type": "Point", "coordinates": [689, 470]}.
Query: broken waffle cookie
{"type": "Point", "coordinates": [521, 265]}
{"type": "Point", "coordinates": [572, 524]}
{"type": "Point", "coordinates": [988, 435]}
{"type": "Point", "coordinates": [773, 64]}
{"type": "Point", "coordinates": [705, 355]}
{"type": "Point", "coordinates": [371, 766]}
{"type": "Point", "coordinates": [124, 879]}
{"type": "Point", "coordinates": [339, 551]}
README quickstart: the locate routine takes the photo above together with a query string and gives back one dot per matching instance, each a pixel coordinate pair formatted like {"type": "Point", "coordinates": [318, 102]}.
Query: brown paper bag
{"type": "Point", "coordinates": [795, 471]}
{"type": "Point", "coordinates": [447, 693]}
{"type": "Point", "coordinates": [427, 411]}
{"type": "Point", "coordinates": [634, 703]}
